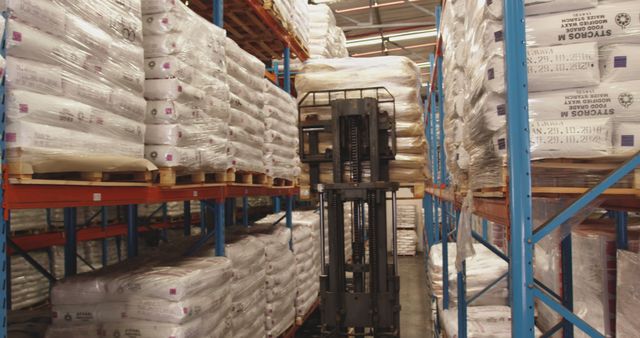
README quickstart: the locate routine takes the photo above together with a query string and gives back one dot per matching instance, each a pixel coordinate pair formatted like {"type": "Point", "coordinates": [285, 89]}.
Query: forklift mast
{"type": "Point", "coordinates": [359, 294]}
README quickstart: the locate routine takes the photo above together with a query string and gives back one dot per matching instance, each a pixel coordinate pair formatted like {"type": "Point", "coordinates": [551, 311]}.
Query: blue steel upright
{"type": "Point", "coordinates": [132, 230]}
{"type": "Point", "coordinates": [70, 243]}
{"type": "Point", "coordinates": [287, 70]}
{"type": "Point", "coordinates": [187, 218]}
{"type": "Point", "coordinates": [520, 213]}
{"type": "Point", "coordinates": [219, 231]}
{"type": "Point", "coordinates": [218, 13]}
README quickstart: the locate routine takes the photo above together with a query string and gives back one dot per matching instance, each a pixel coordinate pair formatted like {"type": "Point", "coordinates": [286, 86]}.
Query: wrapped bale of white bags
{"type": "Point", "coordinates": [400, 77]}
{"type": "Point", "coordinates": [306, 250]}
{"type": "Point", "coordinates": [281, 158]}
{"type": "Point", "coordinates": [248, 292]}
{"type": "Point", "coordinates": [247, 129]}
{"type": "Point", "coordinates": [628, 264]}
{"type": "Point", "coordinates": [581, 65]}
{"type": "Point", "coordinates": [139, 296]}
{"type": "Point", "coordinates": [188, 111]}
{"type": "Point", "coordinates": [280, 281]}
{"type": "Point", "coordinates": [326, 39]}
{"type": "Point", "coordinates": [74, 85]}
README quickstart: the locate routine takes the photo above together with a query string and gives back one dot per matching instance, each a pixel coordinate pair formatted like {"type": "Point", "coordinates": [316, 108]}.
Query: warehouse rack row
{"type": "Point", "coordinates": [269, 39]}
{"type": "Point", "coordinates": [512, 207]}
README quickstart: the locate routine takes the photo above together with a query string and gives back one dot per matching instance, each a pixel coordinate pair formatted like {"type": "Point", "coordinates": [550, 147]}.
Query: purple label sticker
{"type": "Point", "coordinates": [11, 137]}
{"type": "Point", "coordinates": [168, 111]}
{"type": "Point", "coordinates": [620, 61]}
{"type": "Point", "coordinates": [24, 108]}
{"type": "Point", "coordinates": [502, 144]}
{"type": "Point", "coordinates": [491, 74]}
{"type": "Point", "coordinates": [627, 140]}
{"type": "Point", "coordinates": [17, 36]}
{"type": "Point", "coordinates": [169, 157]}
{"type": "Point", "coordinates": [502, 109]}
{"type": "Point", "coordinates": [166, 65]}
{"type": "Point", "coordinates": [498, 36]}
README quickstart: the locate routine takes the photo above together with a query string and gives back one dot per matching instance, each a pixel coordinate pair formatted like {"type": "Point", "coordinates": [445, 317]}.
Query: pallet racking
{"type": "Point", "coordinates": [219, 198]}
{"type": "Point", "coordinates": [513, 208]}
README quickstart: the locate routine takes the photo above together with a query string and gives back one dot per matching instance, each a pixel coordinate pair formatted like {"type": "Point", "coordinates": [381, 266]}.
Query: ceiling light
{"type": "Point", "coordinates": [424, 65]}
{"type": "Point", "coordinates": [375, 5]}
{"type": "Point", "coordinates": [375, 40]}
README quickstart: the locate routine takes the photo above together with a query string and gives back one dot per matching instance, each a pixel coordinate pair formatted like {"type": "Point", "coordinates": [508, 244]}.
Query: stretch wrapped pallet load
{"type": "Point", "coordinates": [161, 296]}
{"type": "Point", "coordinates": [489, 321]}
{"type": "Point", "coordinates": [281, 138]}
{"type": "Point", "coordinates": [187, 111]}
{"type": "Point", "coordinates": [247, 129]}
{"type": "Point", "coordinates": [628, 298]}
{"type": "Point", "coordinates": [74, 81]}
{"type": "Point", "coordinates": [248, 292]}
{"type": "Point", "coordinates": [280, 281]}
{"type": "Point", "coordinates": [28, 286]}
{"type": "Point", "coordinates": [400, 77]}
{"type": "Point", "coordinates": [582, 67]}
{"type": "Point", "coordinates": [482, 270]}
{"type": "Point", "coordinates": [407, 236]}
{"type": "Point", "coordinates": [306, 251]}
{"type": "Point", "coordinates": [326, 39]}
{"type": "Point", "coordinates": [593, 254]}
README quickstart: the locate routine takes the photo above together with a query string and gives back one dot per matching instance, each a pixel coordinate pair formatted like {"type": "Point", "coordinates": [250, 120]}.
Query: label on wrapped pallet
{"type": "Point", "coordinates": [580, 138]}
{"type": "Point", "coordinates": [620, 99]}
{"type": "Point", "coordinates": [609, 22]}
{"type": "Point", "coordinates": [620, 62]}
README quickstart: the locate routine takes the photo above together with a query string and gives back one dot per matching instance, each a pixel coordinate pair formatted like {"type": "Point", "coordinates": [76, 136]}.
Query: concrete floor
{"type": "Point", "coordinates": [415, 317]}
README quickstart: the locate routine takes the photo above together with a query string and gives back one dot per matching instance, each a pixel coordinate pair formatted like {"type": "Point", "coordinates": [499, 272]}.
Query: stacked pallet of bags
{"type": "Point", "coordinates": [281, 158]}
{"type": "Point", "coordinates": [248, 293]}
{"type": "Point", "coordinates": [280, 281]}
{"type": "Point", "coordinates": [628, 298]}
{"type": "Point", "coordinates": [580, 68]}
{"type": "Point", "coordinates": [593, 256]}
{"type": "Point", "coordinates": [28, 286]}
{"type": "Point", "coordinates": [140, 298]}
{"type": "Point", "coordinates": [28, 219]}
{"type": "Point", "coordinates": [74, 79]}
{"type": "Point", "coordinates": [400, 77]}
{"type": "Point", "coordinates": [326, 39]}
{"type": "Point", "coordinates": [294, 15]}
{"type": "Point", "coordinates": [407, 236]}
{"type": "Point", "coordinates": [306, 250]}
{"type": "Point", "coordinates": [187, 111]}
{"type": "Point", "coordinates": [247, 130]}
{"type": "Point", "coordinates": [453, 72]}
{"type": "Point", "coordinates": [91, 253]}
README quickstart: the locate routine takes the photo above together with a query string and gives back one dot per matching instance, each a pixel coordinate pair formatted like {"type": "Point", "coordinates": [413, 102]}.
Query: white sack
{"type": "Point", "coordinates": [610, 22]}
{"type": "Point", "coordinates": [577, 138]}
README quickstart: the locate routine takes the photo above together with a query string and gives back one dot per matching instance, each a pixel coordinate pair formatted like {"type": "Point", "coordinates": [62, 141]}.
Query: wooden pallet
{"type": "Point", "coordinates": [168, 177]}
{"type": "Point", "coordinates": [281, 182]}
{"type": "Point", "coordinates": [125, 178]}
{"type": "Point", "coordinates": [545, 170]}
{"type": "Point", "coordinates": [248, 177]}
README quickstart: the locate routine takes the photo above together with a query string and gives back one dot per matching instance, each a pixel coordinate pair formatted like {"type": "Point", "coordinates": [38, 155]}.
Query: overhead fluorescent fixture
{"type": "Point", "coordinates": [391, 50]}
{"type": "Point", "coordinates": [424, 65]}
{"type": "Point", "coordinates": [398, 37]}
{"type": "Point", "coordinates": [375, 5]}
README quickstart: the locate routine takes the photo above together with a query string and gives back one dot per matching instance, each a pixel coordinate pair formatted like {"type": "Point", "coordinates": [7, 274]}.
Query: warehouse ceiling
{"type": "Point", "coordinates": [388, 27]}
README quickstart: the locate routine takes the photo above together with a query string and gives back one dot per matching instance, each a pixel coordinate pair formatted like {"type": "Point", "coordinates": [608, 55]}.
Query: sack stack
{"type": "Point", "coordinates": [281, 138]}
{"type": "Point", "coordinates": [280, 281]}
{"type": "Point", "coordinates": [74, 81]}
{"type": "Point", "coordinates": [188, 110]}
{"type": "Point", "coordinates": [326, 39]}
{"type": "Point", "coordinates": [245, 75]}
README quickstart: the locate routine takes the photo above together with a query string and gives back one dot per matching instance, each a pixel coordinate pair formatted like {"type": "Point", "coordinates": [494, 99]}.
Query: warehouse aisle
{"type": "Point", "coordinates": [415, 318]}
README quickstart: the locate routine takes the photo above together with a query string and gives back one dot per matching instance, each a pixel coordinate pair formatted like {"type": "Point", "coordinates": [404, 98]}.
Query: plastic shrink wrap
{"type": "Point", "coordinates": [478, 276]}
{"type": "Point", "coordinates": [581, 61]}
{"type": "Point", "coordinates": [90, 74]}
{"type": "Point", "coordinates": [187, 111]}
{"type": "Point", "coordinates": [156, 296]}
{"type": "Point", "coordinates": [594, 275]}
{"type": "Point", "coordinates": [489, 321]}
{"type": "Point", "coordinates": [245, 75]}
{"type": "Point", "coordinates": [280, 281]}
{"type": "Point", "coordinates": [248, 290]}
{"type": "Point", "coordinates": [628, 265]}
{"type": "Point", "coordinates": [281, 158]}
{"type": "Point", "coordinates": [399, 76]}
{"type": "Point", "coordinates": [326, 39]}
